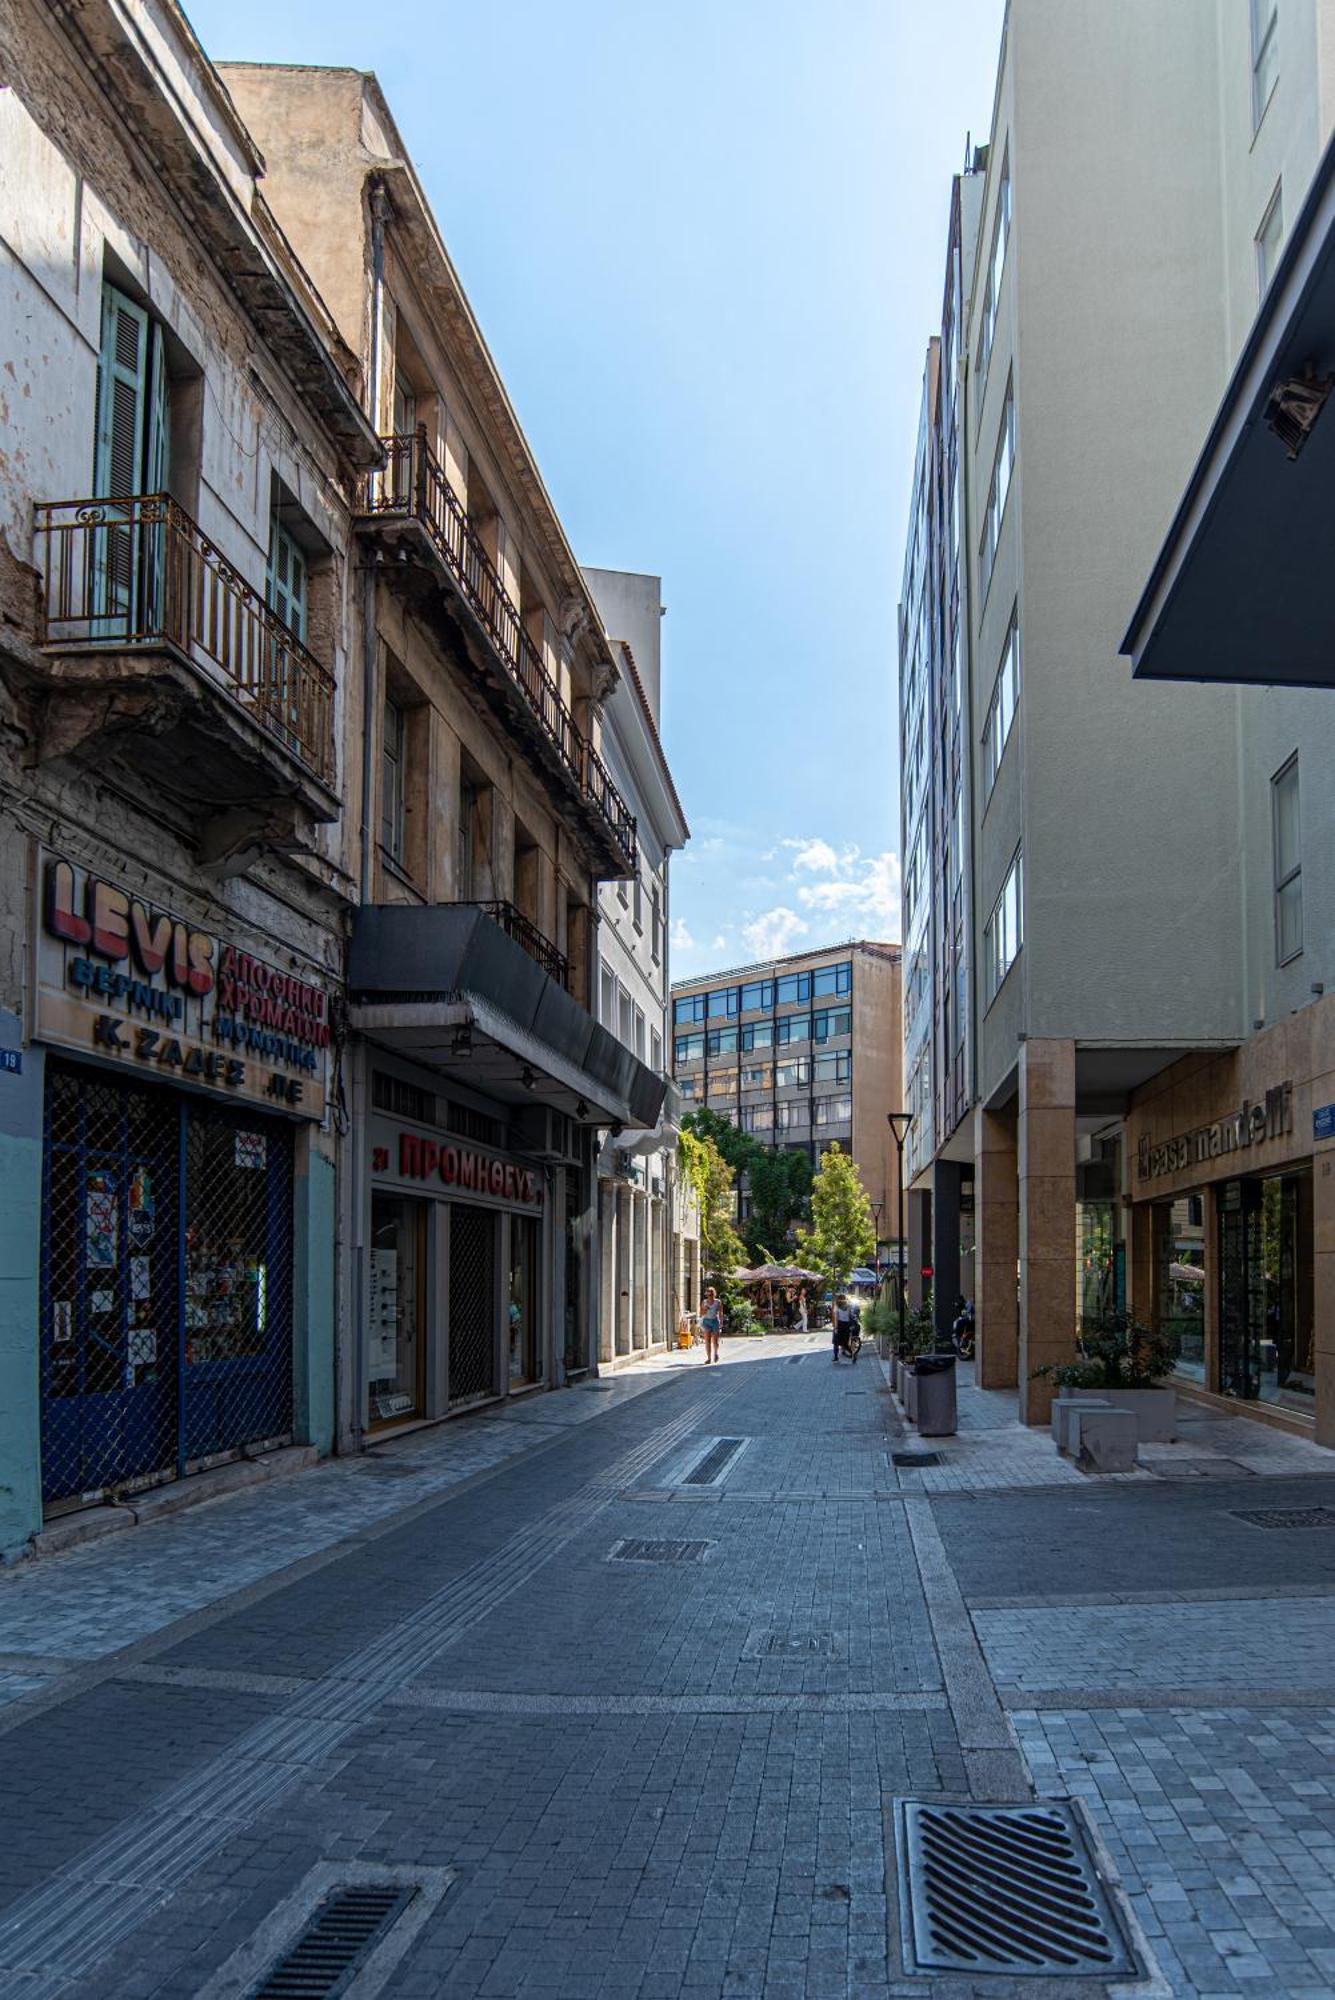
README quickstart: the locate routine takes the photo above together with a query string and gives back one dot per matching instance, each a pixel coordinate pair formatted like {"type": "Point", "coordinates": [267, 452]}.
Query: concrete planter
{"type": "Point", "coordinates": [1155, 1410]}
{"type": "Point", "coordinates": [910, 1395]}
{"type": "Point", "coordinates": [1064, 1409]}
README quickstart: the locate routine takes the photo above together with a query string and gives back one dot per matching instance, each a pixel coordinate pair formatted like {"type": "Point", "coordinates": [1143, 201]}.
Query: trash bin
{"type": "Point", "coordinates": [935, 1383]}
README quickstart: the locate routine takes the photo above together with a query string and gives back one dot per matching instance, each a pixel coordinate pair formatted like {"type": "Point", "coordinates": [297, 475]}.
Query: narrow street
{"type": "Point", "coordinates": [633, 1734]}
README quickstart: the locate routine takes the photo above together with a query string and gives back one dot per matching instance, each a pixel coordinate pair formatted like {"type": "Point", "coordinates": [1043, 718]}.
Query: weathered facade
{"type": "Point", "coordinates": [480, 1082]}
{"type": "Point", "coordinates": [182, 450]}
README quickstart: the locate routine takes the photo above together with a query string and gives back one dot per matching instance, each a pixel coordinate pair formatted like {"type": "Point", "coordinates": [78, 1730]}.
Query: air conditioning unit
{"type": "Point", "coordinates": [544, 1134]}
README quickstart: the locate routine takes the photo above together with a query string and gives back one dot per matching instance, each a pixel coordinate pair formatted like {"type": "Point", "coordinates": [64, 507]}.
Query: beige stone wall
{"type": "Point", "coordinates": [878, 1071]}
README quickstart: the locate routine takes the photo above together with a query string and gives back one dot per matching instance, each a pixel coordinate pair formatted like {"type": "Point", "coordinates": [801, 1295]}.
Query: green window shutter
{"type": "Point", "coordinates": [122, 397]}
{"type": "Point", "coordinates": [287, 579]}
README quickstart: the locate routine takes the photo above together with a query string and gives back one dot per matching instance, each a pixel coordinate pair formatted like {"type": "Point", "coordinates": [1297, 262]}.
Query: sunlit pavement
{"type": "Point", "coordinates": [611, 1774]}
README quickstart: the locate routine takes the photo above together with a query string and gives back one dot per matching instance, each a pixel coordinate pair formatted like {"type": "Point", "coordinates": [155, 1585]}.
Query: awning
{"type": "Point", "coordinates": [1244, 587]}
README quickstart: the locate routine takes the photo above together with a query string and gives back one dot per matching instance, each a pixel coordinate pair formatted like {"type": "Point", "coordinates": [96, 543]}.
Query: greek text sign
{"type": "Point", "coordinates": [1252, 1125]}
{"type": "Point", "coordinates": [119, 977]}
{"type": "Point", "coordinates": [451, 1166]}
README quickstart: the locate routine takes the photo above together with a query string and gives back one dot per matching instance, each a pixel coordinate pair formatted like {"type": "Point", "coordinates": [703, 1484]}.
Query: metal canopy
{"type": "Point", "coordinates": [1244, 588]}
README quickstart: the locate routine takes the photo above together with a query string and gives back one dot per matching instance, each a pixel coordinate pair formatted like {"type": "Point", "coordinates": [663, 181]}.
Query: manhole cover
{"type": "Point", "coordinates": [799, 1645]}
{"type": "Point", "coordinates": [915, 1458]}
{"type": "Point", "coordinates": [1201, 1468]}
{"type": "Point", "coordinates": [342, 1931]}
{"type": "Point", "coordinates": [715, 1462]}
{"type": "Point", "coordinates": [1287, 1517]}
{"type": "Point", "coordinates": [637, 1550]}
{"type": "Point", "coordinates": [1005, 1889]}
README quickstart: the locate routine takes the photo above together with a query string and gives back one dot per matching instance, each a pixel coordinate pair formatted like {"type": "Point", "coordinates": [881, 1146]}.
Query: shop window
{"type": "Point", "coordinates": [1288, 864]}
{"type": "Point", "coordinates": [395, 1314]}
{"type": "Point", "coordinates": [472, 1304]}
{"type": "Point", "coordinates": [523, 1306]}
{"type": "Point", "coordinates": [1179, 1241]}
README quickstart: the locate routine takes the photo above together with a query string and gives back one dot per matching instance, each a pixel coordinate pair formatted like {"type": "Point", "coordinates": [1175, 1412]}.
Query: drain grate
{"type": "Point", "coordinates": [1005, 1889]}
{"type": "Point", "coordinates": [635, 1549]}
{"type": "Point", "coordinates": [799, 1645]}
{"type": "Point", "coordinates": [915, 1458]}
{"type": "Point", "coordinates": [714, 1463]}
{"type": "Point", "coordinates": [1287, 1517]}
{"type": "Point", "coordinates": [341, 1934]}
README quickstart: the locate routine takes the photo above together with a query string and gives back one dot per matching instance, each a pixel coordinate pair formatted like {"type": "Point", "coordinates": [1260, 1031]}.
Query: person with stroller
{"type": "Point", "coordinates": [843, 1326]}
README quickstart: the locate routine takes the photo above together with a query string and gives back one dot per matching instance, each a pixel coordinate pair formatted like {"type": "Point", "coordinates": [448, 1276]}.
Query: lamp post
{"type": "Point", "coordinates": [899, 1122]}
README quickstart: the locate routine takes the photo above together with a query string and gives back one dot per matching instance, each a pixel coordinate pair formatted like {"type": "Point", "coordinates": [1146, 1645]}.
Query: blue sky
{"type": "Point", "coordinates": [705, 240]}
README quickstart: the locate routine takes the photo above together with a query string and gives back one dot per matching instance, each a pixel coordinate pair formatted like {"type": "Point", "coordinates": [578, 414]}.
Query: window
{"type": "Point", "coordinates": [1288, 864]}
{"type": "Point", "coordinates": [722, 1002]}
{"type": "Point", "coordinates": [793, 1028]}
{"type": "Point", "coordinates": [790, 1115]}
{"type": "Point", "coordinates": [405, 405]}
{"type": "Point", "coordinates": [836, 1067]}
{"type": "Point", "coordinates": [1002, 461]}
{"type": "Point", "coordinates": [759, 1035]}
{"type": "Point", "coordinates": [757, 1117]}
{"type": "Point", "coordinates": [1265, 56]}
{"type": "Point", "coordinates": [133, 441]}
{"type": "Point", "coordinates": [687, 1086]}
{"type": "Point", "coordinates": [834, 1110]}
{"type": "Point", "coordinates": [655, 1051]}
{"type": "Point", "coordinates": [468, 816]}
{"type": "Point", "coordinates": [392, 746]}
{"type": "Point", "coordinates": [996, 264]}
{"type": "Point", "coordinates": [1001, 708]}
{"type": "Point", "coordinates": [286, 589]}
{"type": "Point", "coordinates": [690, 1007]}
{"type": "Point", "coordinates": [607, 999]}
{"type": "Point", "coordinates": [788, 1074]}
{"type": "Point", "coordinates": [756, 1078]}
{"type": "Point", "coordinates": [639, 905]}
{"type": "Point", "coordinates": [655, 927]}
{"type": "Point", "coordinates": [792, 987]}
{"type": "Point", "coordinates": [688, 1048]}
{"type": "Point", "coordinates": [831, 979]}
{"type": "Point", "coordinates": [626, 1019]}
{"type": "Point", "coordinates": [722, 1041]}
{"type": "Point", "coordinates": [757, 996]}
{"type": "Point", "coordinates": [1269, 237]}
{"type": "Point", "coordinates": [639, 1033]}
{"type": "Point", "coordinates": [1004, 933]}
{"type": "Point", "coordinates": [833, 1021]}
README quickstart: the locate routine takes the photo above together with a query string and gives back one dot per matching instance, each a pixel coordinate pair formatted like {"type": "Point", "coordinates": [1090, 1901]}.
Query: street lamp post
{"type": "Point", "coordinates": [899, 1122]}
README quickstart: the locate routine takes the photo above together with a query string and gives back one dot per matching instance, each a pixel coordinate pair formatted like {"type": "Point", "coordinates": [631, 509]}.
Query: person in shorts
{"type": "Point", "coordinates": [711, 1323]}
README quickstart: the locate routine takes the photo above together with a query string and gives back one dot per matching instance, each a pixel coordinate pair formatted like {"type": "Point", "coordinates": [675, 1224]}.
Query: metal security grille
{"type": "Point", "coordinates": [634, 1549]}
{"type": "Point", "coordinates": [166, 1293]}
{"type": "Point", "coordinates": [709, 1469]}
{"type": "Point", "coordinates": [1005, 1889]}
{"type": "Point", "coordinates": [335, 1944]}
{"type": "Point", "coordinates": [472, 1303]}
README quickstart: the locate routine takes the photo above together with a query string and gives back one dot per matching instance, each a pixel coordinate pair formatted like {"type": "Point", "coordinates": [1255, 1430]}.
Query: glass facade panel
{"type": "Point", "coordinates": [1180, 1246]}
{"type": "Point", "coordinates": [394, 1342]}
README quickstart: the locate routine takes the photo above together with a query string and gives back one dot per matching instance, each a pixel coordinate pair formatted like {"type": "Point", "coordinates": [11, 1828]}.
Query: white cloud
{"type": "Point", "coordinates": [817, 855]}
{"type": "Point", "coordinates": [680, 938]}
{"type": "Point", "coordinates": [862, 893]}
{"type": "Point", "coordinates": [773, 932]}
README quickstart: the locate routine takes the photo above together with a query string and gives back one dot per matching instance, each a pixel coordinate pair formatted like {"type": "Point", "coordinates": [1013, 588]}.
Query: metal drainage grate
{"type": "Point", "coordinates": [634, 1549]}
{"type": "Point", "coordinates": [1005, 1889]}
{"type": "Point", "coordinates": [342, 1932]}
{"type": "Point", "coordinates": [915, 1458]}
{"type": "Point", "coordinates": [714, 1463]}
{"type": "Point", "coordinates": [1287, 1517]}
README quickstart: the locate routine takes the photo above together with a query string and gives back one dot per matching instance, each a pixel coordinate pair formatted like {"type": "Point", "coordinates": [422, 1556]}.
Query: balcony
{"type": "Point", "coordinates": [517, 926]}
{"type": "Point", "coordinates": [413, 493]}
{"type": "Point", "coordinates": [158, 651]}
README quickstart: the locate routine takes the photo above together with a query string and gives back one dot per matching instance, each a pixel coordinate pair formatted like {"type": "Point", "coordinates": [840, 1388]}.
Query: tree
{"type": "Point", "coordinates": [778, 1182]}
{"type": "Point", "coordinates": [842, 1233]}
{"type": "Point", "coordinates": [705, 1168]}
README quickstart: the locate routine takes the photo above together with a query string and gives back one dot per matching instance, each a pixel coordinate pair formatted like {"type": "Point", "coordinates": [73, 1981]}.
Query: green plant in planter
{"type": "Point", "coordinates": [1117, 1352]}
{"type": "Point", "coordinates": [920, 1330]}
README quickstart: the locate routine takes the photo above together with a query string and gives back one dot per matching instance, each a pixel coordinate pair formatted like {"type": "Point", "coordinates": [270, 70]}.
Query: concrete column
{"type": "Point", "coordinates": [997, 1248]}
{"type": "Point", "coordinates": [1047, 1217]}
{"type": "Point", "coordinates": [948, 1176]}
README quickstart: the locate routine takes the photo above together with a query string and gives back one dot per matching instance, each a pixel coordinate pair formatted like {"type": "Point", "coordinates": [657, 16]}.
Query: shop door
{"type": "Point", "coordinates": [1241, 1289]}
{"type": "Point", "coordinates": [525, 1346]}
{"type": "Point", "coordinates": [396, 1348]}
{"type": "Point", "coordinates": [166, 1287]}
{"type": "Point", "coordinates": [473, 1346]}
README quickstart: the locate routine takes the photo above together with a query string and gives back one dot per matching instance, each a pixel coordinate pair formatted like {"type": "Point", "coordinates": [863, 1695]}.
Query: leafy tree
{"type": "Point", "coordinates": [778, 1181]}
{"type": "Point", "coordinates": [712, 1179]}
{"type": "Point", "coordinates": [842, 1233]}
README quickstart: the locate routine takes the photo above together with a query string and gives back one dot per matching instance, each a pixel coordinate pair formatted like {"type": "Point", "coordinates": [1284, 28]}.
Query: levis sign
{"type": "Point", "coordinates": [465, 1168]}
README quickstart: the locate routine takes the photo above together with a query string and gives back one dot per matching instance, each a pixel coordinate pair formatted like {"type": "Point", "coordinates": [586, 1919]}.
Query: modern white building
{"type": "Point", "coordinates": [1132, 851]}
{"type": "Point", "coordinates": [648, 1228]}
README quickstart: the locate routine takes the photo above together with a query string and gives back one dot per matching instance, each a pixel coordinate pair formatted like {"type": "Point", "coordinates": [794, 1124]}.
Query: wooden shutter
{"type": "Point", "coordinates": [122, 397]}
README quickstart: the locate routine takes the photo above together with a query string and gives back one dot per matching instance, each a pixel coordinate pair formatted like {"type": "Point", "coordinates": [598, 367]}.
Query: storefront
{"type": "Point", "coordinates": [180, 1074]}
{"type": "Point", "coordinates": [1228, 1158]}
{"type": "Point", "coordinates": [461, 1282]}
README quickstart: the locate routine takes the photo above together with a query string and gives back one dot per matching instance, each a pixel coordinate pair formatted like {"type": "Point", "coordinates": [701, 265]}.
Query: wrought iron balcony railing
{"type": "Point", "coordinates": [138, 573]}
{"type": "Point", "coordinates": [413, 484]}
{"type": "Point", "coordinates": [526, 934]}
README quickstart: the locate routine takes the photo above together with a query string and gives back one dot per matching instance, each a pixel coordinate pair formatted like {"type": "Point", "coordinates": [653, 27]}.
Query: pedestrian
{"type": "Point", "coordinates": [842, 1321]}
{"type": "Point", "coordinates": [802, 1310]}
{"type": "Point", "coordinates": [711, 1322]}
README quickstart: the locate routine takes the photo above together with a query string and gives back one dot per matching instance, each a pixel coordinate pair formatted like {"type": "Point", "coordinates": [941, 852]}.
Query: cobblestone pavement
{"type": "Point", "coordinates": [461, 1661]}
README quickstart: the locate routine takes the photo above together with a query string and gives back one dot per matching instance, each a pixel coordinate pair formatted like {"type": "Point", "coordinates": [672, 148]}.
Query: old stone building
{"type": "Point", "coordinates": [481, 1084]}
{"type": "Point", "coordinates": [182, 447]}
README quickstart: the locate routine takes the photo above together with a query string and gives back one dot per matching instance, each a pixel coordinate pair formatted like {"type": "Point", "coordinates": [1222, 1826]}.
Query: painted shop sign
{"type": "Point", "coordinates": [451, 1166]}
{"type": "Point", "coordinates": [120, 977]}
{"type": "Point", "coordinates": [1250, 1126]}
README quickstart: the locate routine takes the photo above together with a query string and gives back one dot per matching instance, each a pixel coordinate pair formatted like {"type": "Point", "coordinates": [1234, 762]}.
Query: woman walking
{"type": "Point", "coordinates": [711, 1321]}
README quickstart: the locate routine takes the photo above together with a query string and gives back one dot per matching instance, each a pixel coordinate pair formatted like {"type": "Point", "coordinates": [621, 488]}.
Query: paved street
{"type": "Point", "coordinates": [462, 1661]}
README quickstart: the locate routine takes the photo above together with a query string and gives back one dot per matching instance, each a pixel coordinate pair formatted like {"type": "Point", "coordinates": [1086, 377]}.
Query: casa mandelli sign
{"type": "Point", "coordinates": [1251, 1125]}
{"type": "Point", "coordinates": [119, 977]}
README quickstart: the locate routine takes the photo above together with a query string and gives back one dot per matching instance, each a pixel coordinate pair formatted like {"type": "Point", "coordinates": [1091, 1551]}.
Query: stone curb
{"type": "Point", "coordinates": [162, 1501]}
